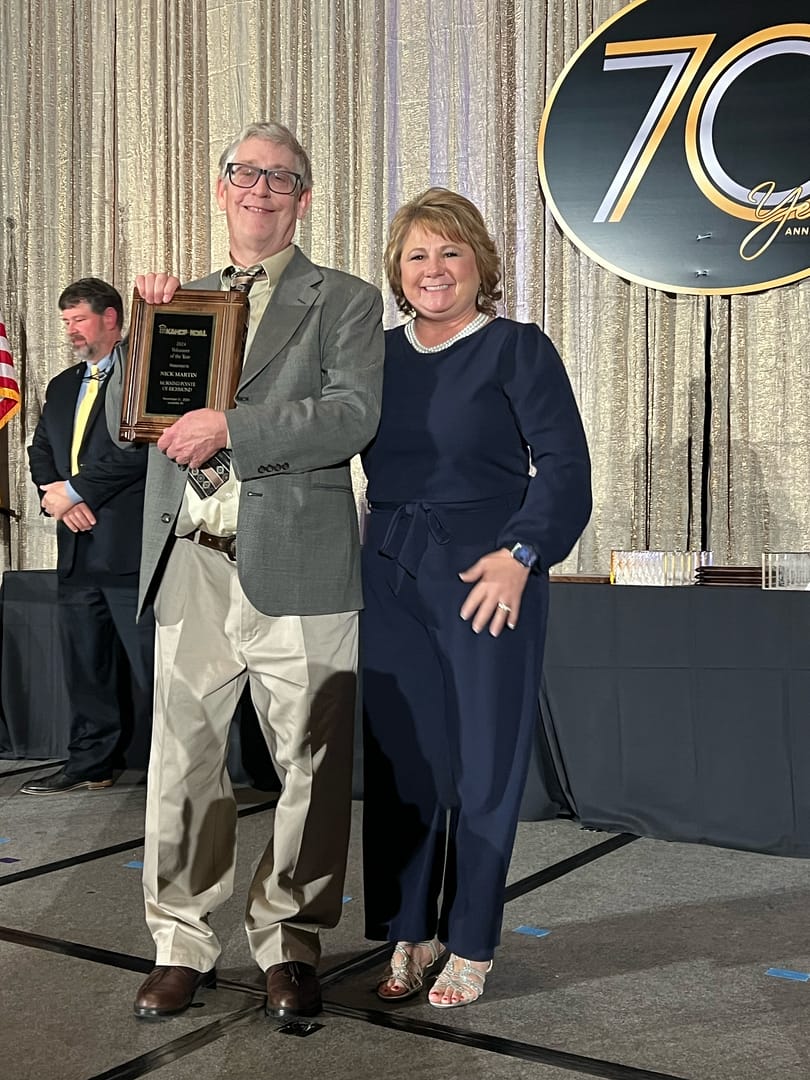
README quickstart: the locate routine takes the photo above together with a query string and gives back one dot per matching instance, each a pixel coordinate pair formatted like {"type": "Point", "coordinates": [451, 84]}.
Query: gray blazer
{"type": "Point", "coordinates": [308, 399]}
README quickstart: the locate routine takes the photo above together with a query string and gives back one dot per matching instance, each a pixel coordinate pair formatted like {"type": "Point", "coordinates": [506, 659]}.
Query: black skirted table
{"type": "Point", "coordinates": [682, 713]}
{"type": "Point", "coordinates": [677, 713]}
{"type": "Point", "coordinates": [33, 698]}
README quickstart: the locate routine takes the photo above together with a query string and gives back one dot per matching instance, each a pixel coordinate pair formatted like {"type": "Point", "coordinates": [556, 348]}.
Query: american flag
{"type": "Point", "coordinates": [9, 387]}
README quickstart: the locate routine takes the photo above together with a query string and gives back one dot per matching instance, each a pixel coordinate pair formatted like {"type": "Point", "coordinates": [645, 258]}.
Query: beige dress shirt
{"type": "Point", "coordinates": [217, 513]}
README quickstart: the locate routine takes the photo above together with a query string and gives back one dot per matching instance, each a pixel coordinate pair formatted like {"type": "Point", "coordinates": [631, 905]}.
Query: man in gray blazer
{"type": "Point", "coordinates": [258, 579]}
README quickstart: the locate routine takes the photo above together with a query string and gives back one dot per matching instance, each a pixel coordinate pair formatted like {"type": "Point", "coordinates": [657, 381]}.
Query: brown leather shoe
{"type": "Point", "coordinates": [293, 989]}
{"type": "Point", "coordinates": [170, 990]}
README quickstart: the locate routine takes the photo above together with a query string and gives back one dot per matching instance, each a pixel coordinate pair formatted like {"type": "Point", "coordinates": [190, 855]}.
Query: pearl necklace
{"type": "Point", "coordinates": [480, 320]}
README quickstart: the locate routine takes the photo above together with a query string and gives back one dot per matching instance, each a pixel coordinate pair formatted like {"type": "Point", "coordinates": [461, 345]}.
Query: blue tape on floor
{"type": "Point", "coordinates": [136, 864]}
{"type": "Point", "coordinates": [4, 840]}
{"type": "Point", "coordinates": [7, 859]}
{"type": "Point", "coordinates": [784, 973]}
{"type": "Point", "coordinates": [346, 899]}
{"type": "Point", "coordinates": [531, 931]}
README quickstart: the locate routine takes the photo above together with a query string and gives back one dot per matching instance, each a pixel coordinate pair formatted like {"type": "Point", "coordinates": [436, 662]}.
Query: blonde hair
{"type": "Point", "coordinates": [447, 214]}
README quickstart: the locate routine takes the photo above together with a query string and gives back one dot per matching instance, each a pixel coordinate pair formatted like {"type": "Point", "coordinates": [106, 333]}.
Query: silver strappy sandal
{"type": "Point", "coordinates": [407, 972]}
{"type": "Point", "coordinates": [460, 976]}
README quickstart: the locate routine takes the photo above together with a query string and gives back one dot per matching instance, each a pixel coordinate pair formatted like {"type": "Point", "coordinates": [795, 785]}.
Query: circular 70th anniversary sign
{"type": "Point", "coordinates": [675, 146]}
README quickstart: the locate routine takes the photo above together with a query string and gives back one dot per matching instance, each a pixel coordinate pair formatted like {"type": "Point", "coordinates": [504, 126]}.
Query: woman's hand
{"type": "Point", "coordinates": [495, 597]}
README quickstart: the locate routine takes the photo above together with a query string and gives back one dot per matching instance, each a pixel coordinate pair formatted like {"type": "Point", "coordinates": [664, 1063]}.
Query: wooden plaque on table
{"type": "Point", "coordinates": [183, 355]}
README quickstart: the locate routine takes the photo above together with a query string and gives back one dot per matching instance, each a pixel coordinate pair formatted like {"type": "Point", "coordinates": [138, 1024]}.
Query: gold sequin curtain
{"type": "Point", "coordinates": [760, 464]}
{"type": "Point", "coordinates": [113, 115]}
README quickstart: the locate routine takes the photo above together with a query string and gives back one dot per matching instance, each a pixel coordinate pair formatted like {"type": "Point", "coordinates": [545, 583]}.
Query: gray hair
{"type": "Point", "coordinates": [272, 132]}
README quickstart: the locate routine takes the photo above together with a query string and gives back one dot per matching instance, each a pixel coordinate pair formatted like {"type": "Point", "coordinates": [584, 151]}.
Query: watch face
{"type": "Point", "coordinates": [524, 554]}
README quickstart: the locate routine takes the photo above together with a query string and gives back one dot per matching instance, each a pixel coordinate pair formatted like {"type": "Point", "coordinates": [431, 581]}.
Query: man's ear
{"type": "Point", "coordinates": [303, 204]}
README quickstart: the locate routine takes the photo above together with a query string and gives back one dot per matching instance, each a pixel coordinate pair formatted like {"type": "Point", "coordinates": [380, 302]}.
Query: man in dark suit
{"type": "Point", "coordinates": [94, 487]}
{"type": "Point", "coordinates": [257, 579]}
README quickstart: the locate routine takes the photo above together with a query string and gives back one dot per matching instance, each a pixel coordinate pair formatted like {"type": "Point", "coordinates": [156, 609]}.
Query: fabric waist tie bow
{"type": "Point", "coordinates": [408, 532]}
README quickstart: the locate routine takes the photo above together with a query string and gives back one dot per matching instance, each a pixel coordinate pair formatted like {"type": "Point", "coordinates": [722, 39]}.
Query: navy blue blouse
{"type": "Point", "coordinates": [465, 423]}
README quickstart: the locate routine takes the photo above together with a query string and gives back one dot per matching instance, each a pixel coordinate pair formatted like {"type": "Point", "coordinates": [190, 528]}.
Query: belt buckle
{"type": "Point", "coordinates": [230, 551]}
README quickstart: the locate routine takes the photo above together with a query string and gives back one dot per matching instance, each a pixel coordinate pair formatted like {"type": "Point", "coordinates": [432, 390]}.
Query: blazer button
{"type": "Point", "coordinates": [166, 519]}
{"type": "Point", "coordinates": [285, 466]}
{"type": "Point", "coordinates": [242, 398]}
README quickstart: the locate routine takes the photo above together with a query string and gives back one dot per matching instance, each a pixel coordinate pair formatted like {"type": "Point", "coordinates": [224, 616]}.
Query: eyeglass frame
{"type": "Point", "coordinates": [266, 173]}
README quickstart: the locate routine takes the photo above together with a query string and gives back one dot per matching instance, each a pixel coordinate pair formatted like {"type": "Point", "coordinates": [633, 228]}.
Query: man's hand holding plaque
{"type": "Point", "coordinates": [185, 356]}
{"type": "Point", "coordinates": [195, 437]}
{"type": "Point", "coordinates": [157, 288]}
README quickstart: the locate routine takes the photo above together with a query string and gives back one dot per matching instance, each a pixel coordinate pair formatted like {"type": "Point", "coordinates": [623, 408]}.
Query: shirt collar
{"type": "Point", "coordinates": [103, 365]}
{"type": "Point", "coordinates": [274, 267]}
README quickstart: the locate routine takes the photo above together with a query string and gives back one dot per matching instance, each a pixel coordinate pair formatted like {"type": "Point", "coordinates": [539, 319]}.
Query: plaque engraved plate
{"type": "Point", "coordinates": [183, 355]}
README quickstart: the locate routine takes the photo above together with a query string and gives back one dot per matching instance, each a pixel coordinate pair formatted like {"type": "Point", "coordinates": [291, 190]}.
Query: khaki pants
{"type": "Point", "coordinates": [302, 672]}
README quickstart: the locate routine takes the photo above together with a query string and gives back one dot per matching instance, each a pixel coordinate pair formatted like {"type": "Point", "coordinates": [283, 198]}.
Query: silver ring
{"type": "Point", "coordinates": [503, 606]}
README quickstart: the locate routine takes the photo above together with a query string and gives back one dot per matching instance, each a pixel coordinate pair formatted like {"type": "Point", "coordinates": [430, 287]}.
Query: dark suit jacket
{"type": "Point", "coordinates": [111, 480]}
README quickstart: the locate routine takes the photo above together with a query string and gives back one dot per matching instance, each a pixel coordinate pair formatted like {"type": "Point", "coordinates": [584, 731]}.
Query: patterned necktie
{"type": "Point", "coordinates": [212, 474]}
{"type": "Point", "coordinates": [82, 416]}
{"type": "Point", "coordinates": [241, 280]}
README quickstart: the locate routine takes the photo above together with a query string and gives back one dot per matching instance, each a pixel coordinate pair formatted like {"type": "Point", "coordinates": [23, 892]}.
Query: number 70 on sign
{"type": "Point", "coordinates": [682, 58]}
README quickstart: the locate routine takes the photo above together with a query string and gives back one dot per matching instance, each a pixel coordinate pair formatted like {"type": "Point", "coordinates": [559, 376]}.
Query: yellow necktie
{"type": "Point", "coordinates": [82, 416]}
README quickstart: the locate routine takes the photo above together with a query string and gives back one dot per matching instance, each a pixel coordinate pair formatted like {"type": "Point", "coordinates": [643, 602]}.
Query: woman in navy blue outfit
{"type": "Point", "coordinates": [478, 481]}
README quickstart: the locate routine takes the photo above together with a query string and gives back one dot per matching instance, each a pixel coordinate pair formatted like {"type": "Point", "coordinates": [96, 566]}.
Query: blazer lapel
{"type": "Point", "coordinates": [293, 296]}
{"type": "Point", "coordinates": [62, 407]}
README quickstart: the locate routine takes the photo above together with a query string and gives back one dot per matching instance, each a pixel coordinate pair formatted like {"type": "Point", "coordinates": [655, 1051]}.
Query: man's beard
{"type": "Point", "coordinates": [84, 351]}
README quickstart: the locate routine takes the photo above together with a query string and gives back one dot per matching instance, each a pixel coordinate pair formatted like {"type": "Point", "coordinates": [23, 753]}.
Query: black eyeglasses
{"type": "Point", "coordinates": [280, 181]}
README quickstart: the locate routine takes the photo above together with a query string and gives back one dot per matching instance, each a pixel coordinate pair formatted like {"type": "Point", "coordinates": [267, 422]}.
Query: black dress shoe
{"type": "Point", "coordinates": [293, 989]}
{"type": "Point", "coordinates": [170, 990]}
{"type": "Point", "coordinates": [60, 782]}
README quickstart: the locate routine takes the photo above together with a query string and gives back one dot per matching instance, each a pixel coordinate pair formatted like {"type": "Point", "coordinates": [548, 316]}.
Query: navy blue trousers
{"type": "Point", "coordinates": [448, 722]}
{"type": "Point", "coordinates": [97, 630]}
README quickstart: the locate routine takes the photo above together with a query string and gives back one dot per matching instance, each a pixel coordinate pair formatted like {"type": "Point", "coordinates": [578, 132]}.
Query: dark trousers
{"type": "Point", "coordinates": [448, 723]}
{"type": "Point", "coordinates": [99, 634]}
